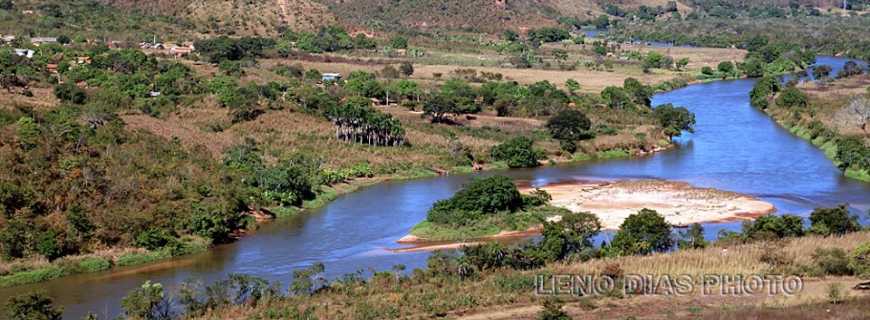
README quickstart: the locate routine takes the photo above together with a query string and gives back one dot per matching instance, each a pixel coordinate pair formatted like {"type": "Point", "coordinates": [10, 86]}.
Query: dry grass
{"type": "Point", "coordinates": [743, 259]}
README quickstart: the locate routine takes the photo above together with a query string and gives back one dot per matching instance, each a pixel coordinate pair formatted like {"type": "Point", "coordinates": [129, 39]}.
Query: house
{"type": "Point", "coordinates": [331, 77]}
{"type": "Point", "coordinates": [37, 41]}
{"type": "Point", "coordinates": [180, 51]}
{"type": "Point", "coordinates": [7, 38]}
{"type": "Point", "coordinates": [24, 53]}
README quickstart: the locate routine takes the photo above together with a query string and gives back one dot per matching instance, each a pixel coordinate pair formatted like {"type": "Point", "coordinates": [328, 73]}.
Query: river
{"type": "Point", "coordinates": [735, 147]}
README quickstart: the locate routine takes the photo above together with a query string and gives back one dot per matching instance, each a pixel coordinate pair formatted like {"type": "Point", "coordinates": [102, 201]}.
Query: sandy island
{"type": "Point", "coordinates": [680, 203]}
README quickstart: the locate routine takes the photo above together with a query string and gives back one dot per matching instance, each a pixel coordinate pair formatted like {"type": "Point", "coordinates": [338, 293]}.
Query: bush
{"type": "Point", "coordinates": [517, 153]}
{"type": "Point", "coordinates": [552, 311]}
{"type": "Point", "coordinates": [481, 196]}
{"type": "Point", "coordinates": [569, 125]}
{"type": "Point", "coordinates": [69, 92]}
{"type": "Point", "coordinates": [832, 261]}
{"type": "Point", "coordinates": [773, 227]}
{"type": "Point", "coordinates": [32, 306]}
{"type": "Point", "coordinates": [155, 238]}
{"type": "Point", "coordinates": [792, 97]}
{"type": "Point", "coordinates": [859, 260]}
{"type": "Point", "coordinates": [833, 221]}
{"type": "Point", "coordinates": [642, 233]}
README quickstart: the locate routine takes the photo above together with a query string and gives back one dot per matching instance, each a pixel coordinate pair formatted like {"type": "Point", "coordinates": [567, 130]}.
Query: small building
{"type": "Point", "coordinates": [8, 38]}
{"type": "Point", "coordinates": [37, 41]}
{"type": "Point", "coordinates": [154, 94]}
{"type": "Point", "coordinates": [27, 53]}
{"type": "Point", "coordinates": [178, 51]}
{"type": "Point", "coordinates": [83, 60]}
{"type": "Point", "coordinates": [331, 77]}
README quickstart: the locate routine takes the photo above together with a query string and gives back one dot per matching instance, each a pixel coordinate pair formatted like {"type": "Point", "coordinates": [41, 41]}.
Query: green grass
{"type": "Point", "coordinates": [862, 175]}
{"type": "Point", "coordinates": [612, 154]}
{"type": "Point", "coordinates": [94, 264]}
{"type": "Point", "coordinates": [33, 276]}
{"type": "Point", "coordinates": [132, 259]}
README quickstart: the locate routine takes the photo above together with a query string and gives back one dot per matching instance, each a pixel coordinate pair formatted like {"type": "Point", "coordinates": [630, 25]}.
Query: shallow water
{"type": "Point", "coordinates": [735, 147]}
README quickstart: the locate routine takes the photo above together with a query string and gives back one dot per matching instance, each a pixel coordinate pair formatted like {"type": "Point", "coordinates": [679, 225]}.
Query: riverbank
{"type": "Point", "coordinates": [835, 112]}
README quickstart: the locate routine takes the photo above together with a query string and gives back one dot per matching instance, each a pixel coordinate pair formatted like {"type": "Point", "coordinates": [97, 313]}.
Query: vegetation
{"type": "Point", "coordinates": [518, 152]}
{"type": "Point", "coordinates": [642, 233]}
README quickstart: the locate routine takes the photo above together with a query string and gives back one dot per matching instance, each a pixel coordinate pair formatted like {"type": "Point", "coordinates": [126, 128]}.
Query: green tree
{"type": "Point", "coordinates": [517, 152]}
{"type": "Point", "coordinates": [399, 42]}
{"type": "Point", "coordinates": [822, 71]}
{"type": "Point", "coordinates": [571, 235]}
{"type": "Point", "coordinates": [773, 227]}
{"type": "Point", "coordinates": [792, 97]}
{"type": "Point", "coordinates": [307, 280]}
{"type": "Point", "coordinates": [32, 306]}
{"type": "Point", "coordinates": [725, 67]}
{"type": "Point", "coordinates": [616, 97]}
{"type": "Point", "coordinates": [693, 238]}
{"type": "Point", "coordinates": [682, 63]}
{"type": "Point", "coordinates": [69, 92]}
{"type": "Point", "coordinates": [654, 60]}
{"type": "Point", "coordinates": [601, 22]}
{"type": "Point", "coordinates": [6, 5]}
{"type": "Point", "coordinates": [569, 124]}
{"type": "Point", "coordinates": [640, 93]}
{"type": "Point", "coordinates": [479, 197]}
{"type": "Point", "coordinates": [833, 221]}
{"type": "Point", "coordinates": [763, 89]}
{"type": "Point", "coordinates": [572, 85]}
{"type": "Point", "coordinates": [643, 233]}
{"type": "Point", "coordinates": [674, 119]}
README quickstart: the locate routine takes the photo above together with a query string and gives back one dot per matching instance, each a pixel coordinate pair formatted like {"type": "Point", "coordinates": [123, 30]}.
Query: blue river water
{"type": "Point", "coordinates": [735, 147]}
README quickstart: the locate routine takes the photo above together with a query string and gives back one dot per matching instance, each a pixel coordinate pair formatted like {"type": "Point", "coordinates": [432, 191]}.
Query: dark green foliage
{"type": "Point", "coordinates": [226, 48]}
{"type": "Point", "coordinates": [6, 5]}
{"type": "Point", "coordinates": [399, 42]}
{"type": "Point", "coordinates": [572, 235]}
{"type": "Point", "coordinates": [726, 67]}
{"type": "Point", "coordinates": [763, 89]}
{"type": "Point", "coordinates": [364, 84]}
{"type": "Point", "coordinates": [154, 238]}
{"type": "Point", "coordinates": [792, 97]}
{"type": "Point", "coordinates": [69, 92]}
{"type": "Point", "coordinates": [518, 152]}
{"type": "Point", "coordinates": [832, 261]}
{"type": "Point", "coordinates": [642, 233]}
{"type": "Point", "coordinates": [327, 39]}
{"type": "Point", "coordinates": [641, 94]}
{"type": "Point", "coordinates": [674, 119]}
{"type": "Point", "coordinates": [569, 125]}
{"type": "Point", "coordinates": [32, 306]}
{"type": "Point", "coordinates": [852, 153]}
{"type": "Point", "coordinates": [548, 34]}
{"type": "Point", "coordinates": [833, 221]}
{"type": "Point", "coordinates": [494, 255]}
{"type": "Point", "coordinates": [480, 196]}
{"type": "Point", "coordinates": [693, 238]}
{"type": "Point", "coordinates": [617, 98]}
{"type": "Point", "coordinates": [773, 227]}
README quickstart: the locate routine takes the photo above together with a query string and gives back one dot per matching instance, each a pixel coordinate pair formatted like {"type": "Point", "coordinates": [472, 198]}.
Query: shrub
{"type": "Point", "coordinates": [32, 306]}
{"type": "Point", "coordinates": [792, 97]}
{"type": "Point", "coordinates": [569, 125]}
{"type": "Point", "coordinates": [859, 260]}
{"type": "Point", "coordinates": [643, 233]}
{"type": "Point", "coordinates": [517, 153]}
{"type": "Point", "coordinates": [69, 92]}
{"type": "Point", "coordinates": [832, 261]}
{"type": "Point", "coordinates": [833, 221]}
{"type": "Point", "coordinates": [481, 196]}
{"type": "Point", "coordinates": [154, 238]}
{"type": "Point", "coordinates": [773, 227]}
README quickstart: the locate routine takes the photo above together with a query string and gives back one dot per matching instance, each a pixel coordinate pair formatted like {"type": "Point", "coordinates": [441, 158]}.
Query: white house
{"type": "Point", "coordinates": [24, 53]}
